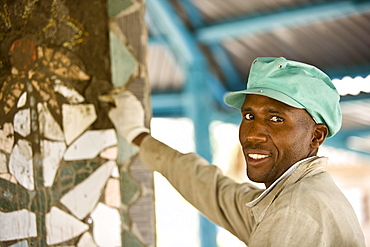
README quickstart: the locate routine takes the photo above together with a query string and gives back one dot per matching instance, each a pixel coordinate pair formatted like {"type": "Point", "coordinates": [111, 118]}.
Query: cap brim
{"type": "Point", "coordinates": [236, 99]}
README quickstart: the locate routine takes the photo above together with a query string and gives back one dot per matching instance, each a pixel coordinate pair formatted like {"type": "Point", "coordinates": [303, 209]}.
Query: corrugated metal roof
{"type": "Point", "coordinates": [338, 43]}
{"type": "Point", "coordinates": [330, 45]}
{"type": "Point", "coordinates": [164, 73]}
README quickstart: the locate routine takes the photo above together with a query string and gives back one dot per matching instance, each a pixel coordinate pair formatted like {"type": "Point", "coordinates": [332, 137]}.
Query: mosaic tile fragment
{"type": "Point", "coordinates": [135, 230]}
{"type": "Point", "coordinates": [143, 223]}
{"type": "Point", "coordinates": [3, 163]}
{"type": "Point", "coordinates": [83, 198]}
{"type": "Point", "coordinates": [23, 243]}
{"type": "Point", "coordinates": [130, 150]}
{"type": "Point", "coordinates": [115, 172]}
{"type": "Point", "coordinates": [20, 164]}
{"type": "Point", "coordinates": [69, 93]}
{"type": "Point", "coordinates": [110, 153]}
{"type": "Point", "coordinates": [116, 6]}
{"type": "Point", "coordinates": [61, 226]}
{"type": "Point", "coordinates": [125, 217]}
{"type": "Point", "coordinates": [7, 137]}
{"type": "Point", "coordinates": [22, 123]}
{"type": "Point", "coordinates": [124, 64]}
{"type": "Point", "coordinates": [17, 225]}
{"type": "Point", "coordinates": [130, 240]}
{"type": "Point", "coordinates": [129, 187]}
{"type": "Point", "coordinates": [107, 226]}
{"type": "Point", "coordinates": [71, 174]}
{"type": "Point", "coordinates": [76, 119]}
{"type": "Point", "coordinates": [52, 155]}
{"type": "Point", "coordinates": [112, 193]}
{"type": "Point", "coordinates": [86, 240]}
{"type": "Point", "coordinates": [90, 144]}
{"type": "Point", "coordinates": [12, 196]}
{"type": "Point", "coordinates": [49, 128]}
{"type": "Point", "coordinates": [22, 100]}
{"type": "Point", "coordinates": [8, 177]}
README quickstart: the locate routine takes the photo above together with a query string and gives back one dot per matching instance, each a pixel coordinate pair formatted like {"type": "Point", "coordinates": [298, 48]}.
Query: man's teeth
{"type": "Point", "coordinates": [258, 156]}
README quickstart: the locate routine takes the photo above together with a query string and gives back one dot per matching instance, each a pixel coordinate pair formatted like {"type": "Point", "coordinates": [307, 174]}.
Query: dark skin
{"type": "Point", "coordinates": [274, 136]}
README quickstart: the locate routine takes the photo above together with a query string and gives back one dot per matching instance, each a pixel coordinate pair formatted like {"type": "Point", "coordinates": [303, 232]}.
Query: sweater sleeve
{"type": "Point", "coordinates": [218, 197]}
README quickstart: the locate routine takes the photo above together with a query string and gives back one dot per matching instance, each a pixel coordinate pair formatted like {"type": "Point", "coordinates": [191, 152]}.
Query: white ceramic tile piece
{"type": "Point", "coordinates": [61, 226]}
{"type": "Point", "coordinates": [110, 153]}
{"type": "Point", "coordinates": [20, 164]}
{"type": "Point", "coordinates": [22, 100]}
{"type": "Point", "coordinates": [23, 243]}
{"type": "Point", "coordinates": [17, 225]}
{"type": "Point", "coordinates": [107, 226]}
{"type": "Point", "coordinates": [83, 198]}
{"type": "Point", "coordinates": [86, 241]}
{"type": "Point", "coordinates": [90, 144]}
{"type": "Point", "coordinates": [52, 155]}
{"type": "Point", "coordinates": [3, 163]}
{"type": "Point", "coordinates": [22, 122]}
{"type": "Point", "coordinates": [112, 193]}
{"type": "Point", "coordinates": [115, 172]}
{"type": "Point", "coordinates": [70, 94]}
{"type": "Point", "coordinates": [7, 137]}
{"type": "Point", "coordinates": [76, 119]}
{"type": "Point", "coordinates": [49, 128]}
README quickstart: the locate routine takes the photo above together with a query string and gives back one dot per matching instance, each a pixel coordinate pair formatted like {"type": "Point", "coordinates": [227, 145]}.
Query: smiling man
{"type": "Point", "coordinates": [288, 109]}
{"type": "Point", "coordinates": [274, 136]}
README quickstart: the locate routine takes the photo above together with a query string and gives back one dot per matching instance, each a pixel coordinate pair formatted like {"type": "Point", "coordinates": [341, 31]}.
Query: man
{"type": "Point", "coordinates": [288, 109]}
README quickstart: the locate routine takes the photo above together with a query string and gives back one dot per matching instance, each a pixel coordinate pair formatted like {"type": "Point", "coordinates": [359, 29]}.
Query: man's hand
{"type": "Point", "coordinates": [128, 117]}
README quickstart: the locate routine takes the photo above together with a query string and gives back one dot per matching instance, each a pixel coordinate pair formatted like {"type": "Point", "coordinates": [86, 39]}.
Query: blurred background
{"type": "Point", "coordinates": [198, 50]}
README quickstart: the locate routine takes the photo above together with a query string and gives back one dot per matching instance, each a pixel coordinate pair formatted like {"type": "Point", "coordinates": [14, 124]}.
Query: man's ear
{"type": "Point", "coordinates": [319, 135]}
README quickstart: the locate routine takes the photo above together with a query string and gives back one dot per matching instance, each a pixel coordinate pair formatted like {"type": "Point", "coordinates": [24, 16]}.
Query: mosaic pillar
{"type": "Point", "coordinates": [128, 42]}
{"type": "Point", "coordinates": [66, 178]}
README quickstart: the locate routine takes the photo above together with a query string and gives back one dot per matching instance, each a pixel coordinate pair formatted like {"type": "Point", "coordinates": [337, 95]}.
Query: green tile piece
{"type": "Point", "coordinates": [129, 240]}
{"type": "Point", "coordinates": [123, 62]}
{"type": "Point", "coordinates": [129, 187]}
{"type": "Point", "coordinates": [12, 196]}
{"type": "Point", "coordinates": [82, 176]}
{"type": "Point", "coordinates": [125, 218]}
{"type": "Point", "coordinates": [125, 150]}
{"type": "Point", "coordinates": [66, 172]}
{"type": "Point", "coordinates": [116, 6]}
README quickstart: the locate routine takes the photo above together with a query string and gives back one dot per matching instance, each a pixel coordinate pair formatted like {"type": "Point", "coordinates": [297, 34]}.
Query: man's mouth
{"type": "Point", "coordinates": [258, 156]}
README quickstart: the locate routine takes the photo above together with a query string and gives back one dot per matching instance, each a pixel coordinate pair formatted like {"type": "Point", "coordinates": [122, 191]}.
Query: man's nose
{"type": "Point", "coordinates": [256, 133]}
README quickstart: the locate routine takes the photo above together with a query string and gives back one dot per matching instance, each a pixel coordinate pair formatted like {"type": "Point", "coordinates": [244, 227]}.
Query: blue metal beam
{"type": "Point", "coordinates": [291, 18]}
{"type": "Point", "coordinates": [226, 65]}
{"type": "Point", "coordinates": [170, 25]}
{"type": "Point", "coordinates": [193, 14]}
{"type": "Point", "coordinates": [168, 104]}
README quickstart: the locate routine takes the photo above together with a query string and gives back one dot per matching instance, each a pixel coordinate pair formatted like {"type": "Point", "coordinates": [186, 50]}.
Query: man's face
{"type": "Point", "coordinates": [273, 136]}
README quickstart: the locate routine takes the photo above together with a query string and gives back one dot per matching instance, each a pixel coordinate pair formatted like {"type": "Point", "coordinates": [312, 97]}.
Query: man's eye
{"type": "Point", "coordinates": [276, 119]}
{"type": "Point", "coordinates": [248, 116]}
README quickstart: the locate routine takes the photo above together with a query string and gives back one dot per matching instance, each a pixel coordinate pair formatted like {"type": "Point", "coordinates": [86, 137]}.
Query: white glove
{"type": "Point", "coordinates": [128, 116]}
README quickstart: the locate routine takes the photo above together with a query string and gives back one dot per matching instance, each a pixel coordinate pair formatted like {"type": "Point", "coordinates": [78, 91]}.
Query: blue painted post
{"type": "Point", "coordinates": [199, 107]}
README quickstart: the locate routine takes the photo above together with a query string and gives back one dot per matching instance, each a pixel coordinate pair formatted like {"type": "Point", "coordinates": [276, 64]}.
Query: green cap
{"type": "Point", "coordinates": [296, 84]}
